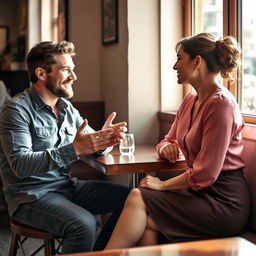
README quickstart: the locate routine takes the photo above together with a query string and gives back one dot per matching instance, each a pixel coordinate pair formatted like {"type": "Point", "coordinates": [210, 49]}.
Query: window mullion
{"type": "Point", "coordinates": [187, 31]}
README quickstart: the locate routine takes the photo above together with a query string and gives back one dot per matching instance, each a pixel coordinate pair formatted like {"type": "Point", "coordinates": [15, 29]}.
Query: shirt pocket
{"type": "Point", "coordinates": [70, 133]}
{"type": "Point", "coordinates": [45, 138]}
{"type": "Point", "coordinates": [44, 132]}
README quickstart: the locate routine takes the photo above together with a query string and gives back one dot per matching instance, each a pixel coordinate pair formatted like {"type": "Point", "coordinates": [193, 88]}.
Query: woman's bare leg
{"type": "Point", "coordinates": [150, 236]}
{"type": "Point", "coordinates": [131, 224]}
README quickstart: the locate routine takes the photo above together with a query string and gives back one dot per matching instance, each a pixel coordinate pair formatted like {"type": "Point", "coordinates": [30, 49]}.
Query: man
{"type": "Point", "coordinates": [4, 97]}
{"type": "Point", "coordinates": [41, 135]}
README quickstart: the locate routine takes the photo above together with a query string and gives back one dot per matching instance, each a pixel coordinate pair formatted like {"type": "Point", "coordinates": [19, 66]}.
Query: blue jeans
{"type": "Point", "coordinates": [69, 213]}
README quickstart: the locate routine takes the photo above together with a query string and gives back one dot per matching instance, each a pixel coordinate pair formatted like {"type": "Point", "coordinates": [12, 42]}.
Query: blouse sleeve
{"type": "Point", "coordinates": [221, 123]}
{"type": "Point", "coordinates": [171, 136]}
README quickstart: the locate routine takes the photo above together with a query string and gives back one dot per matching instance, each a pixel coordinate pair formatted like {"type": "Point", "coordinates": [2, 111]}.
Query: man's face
{"type": "Point", "coordinates": [59, 81]}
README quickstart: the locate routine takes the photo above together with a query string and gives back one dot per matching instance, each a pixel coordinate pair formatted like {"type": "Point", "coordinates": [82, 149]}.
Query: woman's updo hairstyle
{"type": "Point", "coordinates": [221, 55]}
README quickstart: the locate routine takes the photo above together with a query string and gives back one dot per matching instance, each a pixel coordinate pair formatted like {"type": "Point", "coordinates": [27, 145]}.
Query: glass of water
{"type": "Point", "coordinates": [127, 145]}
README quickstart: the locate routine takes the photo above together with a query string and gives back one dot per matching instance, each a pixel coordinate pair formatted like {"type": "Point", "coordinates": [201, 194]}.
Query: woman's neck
{"type": "Point", "coordinates": [204, 87]}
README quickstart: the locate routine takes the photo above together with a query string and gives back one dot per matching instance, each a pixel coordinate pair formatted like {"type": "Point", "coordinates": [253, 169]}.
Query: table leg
{"type": "Point", "coordinates": [134, 179]}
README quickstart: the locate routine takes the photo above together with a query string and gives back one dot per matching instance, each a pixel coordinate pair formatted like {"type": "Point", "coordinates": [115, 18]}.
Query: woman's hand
{"type": "Point", "coordinates": [170, 152]}
{"type": "Point", "coordinates": [152, 183]}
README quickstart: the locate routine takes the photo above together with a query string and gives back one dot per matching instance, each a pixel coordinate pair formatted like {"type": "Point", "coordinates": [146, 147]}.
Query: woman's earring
{"type": "Point", "coordinates": [195, 72]}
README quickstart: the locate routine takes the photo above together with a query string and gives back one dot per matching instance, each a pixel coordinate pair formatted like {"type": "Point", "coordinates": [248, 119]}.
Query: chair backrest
{"type": "Point", "coordinates": [249, 152]}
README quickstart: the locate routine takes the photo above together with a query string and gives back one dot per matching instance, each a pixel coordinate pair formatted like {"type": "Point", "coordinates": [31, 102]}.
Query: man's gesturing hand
{"type": "Point", "coordinates": [119, 128]}
{"type": "Point", "coordinates": [110, 135]}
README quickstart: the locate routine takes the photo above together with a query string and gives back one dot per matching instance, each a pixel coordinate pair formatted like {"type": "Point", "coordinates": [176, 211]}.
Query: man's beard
{"type": "Point", "coordinates": [58, 92]}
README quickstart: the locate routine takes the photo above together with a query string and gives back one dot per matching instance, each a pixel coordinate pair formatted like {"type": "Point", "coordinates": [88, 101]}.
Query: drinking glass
{"type": "Point", "coordinates": [127, 145]}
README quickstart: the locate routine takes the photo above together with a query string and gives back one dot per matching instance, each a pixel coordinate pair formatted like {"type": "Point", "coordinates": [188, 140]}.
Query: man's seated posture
{"type": "Point", "coordinates": [41, 135]}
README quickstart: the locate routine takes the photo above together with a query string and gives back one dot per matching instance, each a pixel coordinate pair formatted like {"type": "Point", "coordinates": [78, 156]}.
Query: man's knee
{"type": "Point", "coordinates": [83, 225]}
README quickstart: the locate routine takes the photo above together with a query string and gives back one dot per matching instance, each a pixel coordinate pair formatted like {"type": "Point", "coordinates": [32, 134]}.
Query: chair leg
{"type": "Point", "coordinates": [14, 245]}
{"type": "Point", "coordinates": [59, 246]}
{"type": "Point", "coordinates": [49, 248]}
{"type": "Point", "coordinates": [53, 251]}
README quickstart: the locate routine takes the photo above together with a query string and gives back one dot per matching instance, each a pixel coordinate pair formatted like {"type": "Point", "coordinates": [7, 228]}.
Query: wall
{"type": "Point", "coordinates": [114, 70]}
{"type": "Point", "coordinates": [101, 70]}
{"type": "Point", "coordinates": [84, 32]}
{"type": "Point", "coordinates": [171, 32]}
{"type": "Point", "coordinates": [144, 69]}
{"type": "Point", "coordinates": [9, 15]}
{"type": "Point", "coordinates": [125, 75]}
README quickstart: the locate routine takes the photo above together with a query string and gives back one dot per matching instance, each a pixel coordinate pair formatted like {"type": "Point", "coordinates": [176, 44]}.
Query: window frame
{"type": "Point", "coordinates": [230, 27]}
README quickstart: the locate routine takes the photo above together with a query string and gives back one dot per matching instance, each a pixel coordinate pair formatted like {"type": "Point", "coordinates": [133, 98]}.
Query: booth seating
{"type": "Point", "coordinates": [249, 140]}
{"type": "Point", "coordinates": [249, 152]}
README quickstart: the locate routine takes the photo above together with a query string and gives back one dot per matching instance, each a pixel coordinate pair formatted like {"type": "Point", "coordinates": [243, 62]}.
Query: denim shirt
{"type": "Point", "coordinates": [36, 151]}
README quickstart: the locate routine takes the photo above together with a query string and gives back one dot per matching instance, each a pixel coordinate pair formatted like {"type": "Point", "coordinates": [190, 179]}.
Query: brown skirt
{"type": "Point", "coordinates": [220, 210]}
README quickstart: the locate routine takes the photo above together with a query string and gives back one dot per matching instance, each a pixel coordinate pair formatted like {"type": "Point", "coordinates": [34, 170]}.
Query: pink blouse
{"type": "Point", "coordinates": [213, 142]}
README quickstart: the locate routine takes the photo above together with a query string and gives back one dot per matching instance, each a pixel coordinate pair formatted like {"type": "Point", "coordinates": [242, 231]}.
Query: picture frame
{"type": "Point", "coordinates": [62, 20]}
{"type": "Point", "coordinates": [4, 38]}
{"type": "Point", "coordinates": [109, 21]}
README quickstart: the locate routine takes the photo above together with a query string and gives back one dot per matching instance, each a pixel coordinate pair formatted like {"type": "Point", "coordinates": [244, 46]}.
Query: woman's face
{"type": "Point", "coordinates": [184, 66]}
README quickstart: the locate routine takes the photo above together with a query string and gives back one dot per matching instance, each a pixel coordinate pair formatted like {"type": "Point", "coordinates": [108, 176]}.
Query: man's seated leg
{"type": "Point", "coordinates": [56, 214]}
{"type": "Point", "coordinates": [101, 197]}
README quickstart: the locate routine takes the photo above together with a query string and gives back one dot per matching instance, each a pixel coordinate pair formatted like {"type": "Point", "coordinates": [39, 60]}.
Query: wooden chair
{"type": "Point", "coordinates": [19, 230]}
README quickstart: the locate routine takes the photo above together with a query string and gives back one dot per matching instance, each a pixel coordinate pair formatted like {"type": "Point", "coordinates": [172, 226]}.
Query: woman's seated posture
{"type": "Point", "coordinates": [210, 199]}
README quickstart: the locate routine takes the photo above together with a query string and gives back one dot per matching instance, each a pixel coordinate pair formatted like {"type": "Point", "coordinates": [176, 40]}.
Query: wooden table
{"type": "Point", "coordinates": [143, 160]}
{"type": "Point", "coordinates": [217, 247]}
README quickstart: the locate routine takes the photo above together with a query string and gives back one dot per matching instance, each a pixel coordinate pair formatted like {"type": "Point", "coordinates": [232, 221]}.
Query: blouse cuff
{"type": "Point", "coordinates": [190, 180]}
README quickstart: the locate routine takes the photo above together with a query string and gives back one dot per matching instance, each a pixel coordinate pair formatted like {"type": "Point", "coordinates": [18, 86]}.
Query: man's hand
{"type": "Point", "coordinates": [110, 135]}
{"type": "Point", "coordinates": [119, 128]}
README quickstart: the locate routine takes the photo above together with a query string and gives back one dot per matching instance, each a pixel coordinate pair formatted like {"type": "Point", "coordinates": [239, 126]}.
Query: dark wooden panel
{"type": "Point", "coordinates": [249, 141]}
{"type": "Point", "coordinates": [15, 81]}
{"type": "Point", "coordinates": [165, 120]}
{"type": "Point", "coordinates": [93, 111]}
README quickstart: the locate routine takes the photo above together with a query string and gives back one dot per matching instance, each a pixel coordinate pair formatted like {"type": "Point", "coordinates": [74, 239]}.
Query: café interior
{"type": "Point", "coordinates": [125, 52]}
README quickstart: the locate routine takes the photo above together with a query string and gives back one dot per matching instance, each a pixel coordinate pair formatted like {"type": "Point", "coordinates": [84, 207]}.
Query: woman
{"type": "Point", "coordinates": [210, 199]}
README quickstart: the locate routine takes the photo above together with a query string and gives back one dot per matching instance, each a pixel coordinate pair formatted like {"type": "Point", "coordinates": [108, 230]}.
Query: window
{"type": "Point", "coordinates": [236, 18]}
{"type": "Point", "coordinates": [208, 17]}
{"type": "Point", "coordinates": [247, 38]}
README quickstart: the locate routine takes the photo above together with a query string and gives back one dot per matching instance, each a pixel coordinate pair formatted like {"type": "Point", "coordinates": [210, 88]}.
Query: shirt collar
{"type": "Point", "coordinates": [39, 102]}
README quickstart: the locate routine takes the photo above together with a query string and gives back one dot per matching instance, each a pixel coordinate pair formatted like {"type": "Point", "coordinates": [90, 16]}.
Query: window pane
{"type": "Point", "coordinates": [208, 17]}
{"type": "Point", "coordinates": [247, 35]}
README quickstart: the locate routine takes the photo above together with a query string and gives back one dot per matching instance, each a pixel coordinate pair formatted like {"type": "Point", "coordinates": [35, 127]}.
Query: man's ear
{"type": "Point", "coordinates": [41, 73]}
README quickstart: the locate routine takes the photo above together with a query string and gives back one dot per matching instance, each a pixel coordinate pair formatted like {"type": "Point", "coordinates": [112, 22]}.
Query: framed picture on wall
{"type": "Point", "coordinates": [109, 21]}
{"type": "Point", "coordinates": [62, 20]}
{"type": "Point", "coordinates": [4, 38]}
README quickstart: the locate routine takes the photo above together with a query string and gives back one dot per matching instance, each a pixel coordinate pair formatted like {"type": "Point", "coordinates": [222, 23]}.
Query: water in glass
{"type": "Point", "coordinates": [127, 145]}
